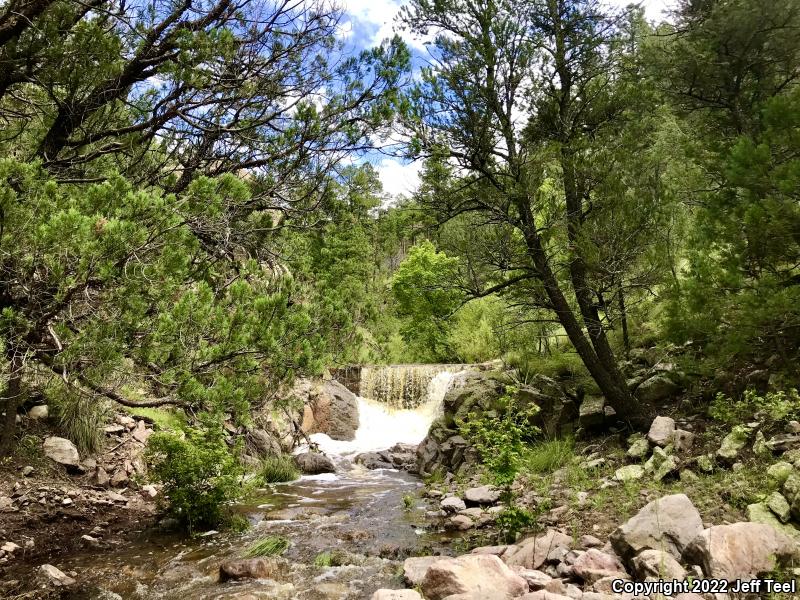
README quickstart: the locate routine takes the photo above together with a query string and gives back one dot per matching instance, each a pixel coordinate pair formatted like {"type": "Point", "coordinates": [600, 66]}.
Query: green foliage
{"type": "Point", "coordinates": [274, 545]}
{"type": "Point", "coordinates": [512, 520]}
{"type": "Point", "coordinates": [199, 474]}
{"type": "Point", "coordinates": [422, 287]}
{"type": "Point", "coordinates": [277, 469]}
{"type": "Point", "coordinates": [473, 333]}
{"type": "Point", "coordinates": [549, 455]}
{"type": "Point", "coordinates": [331, 558]}
{"type": "Point", "coordinates": [772, 406]}
{"type": "Point", "coordinates": [408, 502]}
{"type": "Point", "coordinates": [164, 419]}
{"type": "Point", "coordinates": [80, 418]}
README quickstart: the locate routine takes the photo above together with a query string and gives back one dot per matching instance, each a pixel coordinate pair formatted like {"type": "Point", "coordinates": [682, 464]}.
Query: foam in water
{"type": "Point", "coordinates": [381, 426]}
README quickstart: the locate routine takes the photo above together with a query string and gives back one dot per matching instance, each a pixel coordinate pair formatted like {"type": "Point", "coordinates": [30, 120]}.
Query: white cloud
{"type": "Point", "coordinates": [381, 14]}
{"type": "Point", "coordinates": [654, 10]}
{"type": "Point", "coordinates": [398, 178]}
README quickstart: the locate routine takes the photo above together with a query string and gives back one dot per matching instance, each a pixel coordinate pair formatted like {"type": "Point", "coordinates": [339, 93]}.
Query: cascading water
{"type": "Point", "coordinates": [401, 386]}
{"type": "Point", "coordinates": [384, 424]}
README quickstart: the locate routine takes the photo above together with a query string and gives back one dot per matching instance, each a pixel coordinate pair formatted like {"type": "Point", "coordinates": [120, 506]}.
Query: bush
{"type": "Point", "coordinates": [773, 406]}
{"type": "Point", "coordinates": [277, 469]}
{"type": "Point", "coordinates": [274, 545]}
{"type": "Point", "coordinates": [199, 474]}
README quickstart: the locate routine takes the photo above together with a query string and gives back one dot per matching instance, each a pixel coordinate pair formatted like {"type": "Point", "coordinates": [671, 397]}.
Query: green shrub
{"type": "Point", "coordinates": [274, 545]}
{"type": "Point", "coordinates": [332, 558]}
{"type": "Point", "coordinates": [773, 406]}
{"type": "Point", "coordinates": [408, 502]}
{"type": "Point", "coordinates": [277, 469]}
{"type": "Point", "coordinates": [199, 473]}
{"type": "Point", "coordinates": [549, 455]}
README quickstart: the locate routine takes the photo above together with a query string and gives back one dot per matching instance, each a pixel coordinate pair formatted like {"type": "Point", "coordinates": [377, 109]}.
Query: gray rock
{"type": "Point", "coordinates": [386, 594]}
{"type": "Point", "coordinates": [668, 466]}
{"type": "Point", "coordinates": [248, 568]}
{"type": "Point", "coordinates": [119, 478]}
{"type": "Point", "coordinates": [330, 408]}
{"type": "Point", "coordinates": [629, 473]}
{"type": "Point", "coordinates": [778, 505]}
{"type": "Point", "coordinates": [590, 541]}
{"type": "Point", "coordinates": [62, 451]}
{"type": "Point", "coordinates": [50, 575]}
{"type": "Point", "coordinates": [741, 550]}
{"type": "Point", "coordinates": [414, 568]}
{"type": "Point", "coordinates": [779, 472]}
{"type": "Point", "coordinates": [482, 495]}
{"type": "Point", "coordinates": [669, 523]}
{"type": "Point", "coordinates": [657, 564]}
{"type": "Point", "coordinates": [760, 513]}
{"type": "Point", "coordinates": [592, 413]}
{"type": "Point", "coordinates": [453, 504]}
{"type": "Point", "coordinates": [533, 552]}
{"type": "Point", "coordinates": [733, 443]}
{"type": "Point", "coordinates": [595, 564]}
{"type": "Point", "coordinates": [314, 463]}
{"type": "Point", "coordinates": [639, 448]}
{"type": "Point", "coordinates": [682, 440]}
{"type": "Point", "coordinates": [39, 412]}
{"type": "Point", "coordinates": [661, 431]}
{"type": "Point", "coordinates": [262, 443]}
{"type": "Point", "coordinates": [656, 388]}
{"type": "Point", "coordinates": [481, 576]}
{"type": "Point", "coordinates": [27, 471]}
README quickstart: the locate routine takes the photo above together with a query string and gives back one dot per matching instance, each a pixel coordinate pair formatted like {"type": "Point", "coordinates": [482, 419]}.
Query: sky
{"type": "Point", "coordinates": [368, 22]}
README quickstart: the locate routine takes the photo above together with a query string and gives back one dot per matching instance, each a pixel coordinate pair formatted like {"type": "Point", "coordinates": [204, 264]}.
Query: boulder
{"type": "Point", "coordinates": [668, 465]}
{"type": "Point", "coordinates": [532, 553]}
{"type": "Point", "coordinates": [656, 388]}
{"type": "Point", "coordinates": [661, 431]}
{"type": "Point", "coordinates": [262, 444]}
{"type": "Point", "coordinates": [142, 433]}
{"type": "Point", "coordinates": [62, 451]}
{"type": "Point", "coordinates": [372, 460]}
{"type": "Point", "coordinates": [657, 564]}
{"type": "Point", "coordinates": [595, 564]}
{"type": "Point", "coordinates": [733, 443]}
{"type": "Point", "coordinates": [779, 472]}
{"type": "Point", "coordinates": [313, 463]}
{"type": "Point", "coordinates": [248, 568]}
{"type": "Point", "coordinates": [482, 575]}
{"type": "Point", "coordinates": [396, 595]}
{"type": "Point", "coordinates": [741, 550]}
{"type": "Point", "coordinates": [452, 504]}
{"type": "Point", "coordinates": [682, 440]}
{"type": "Point", "coordinates": [779, 506]}
{"type": "Point", "coordinates": [39, 411]}
{"type": "Point", "coordinates": [482, 495]}
{"type": "Point", "coordinates": [760, 513]}
{"type": "Point", "coordinates": [669, 523]}
{"type": "Point", "coordinates": [331, 409]}
{"type": "Point", "coordinates": [639, 447]}
{"type": "Point", "coordinates": [592, 412]}
{"type": "Point", "coordinates": [50, 575]}
{"type": "Point", "coordinates": [414, 568]}
{"type": "Point", "coordinates": [544, 595]}
{"type": "Point", "coordinates": [461, 522]}
{"type": "Point", "coordinates": [629, 473]}
{"type": "Point", "coordinates": [537, 580]}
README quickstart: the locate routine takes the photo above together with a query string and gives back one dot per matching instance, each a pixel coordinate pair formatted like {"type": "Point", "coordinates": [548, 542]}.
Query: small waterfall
{"type": "Point", "coordinates": [382, 424]}
{"type": "Point", "coordinates": [401, 386]}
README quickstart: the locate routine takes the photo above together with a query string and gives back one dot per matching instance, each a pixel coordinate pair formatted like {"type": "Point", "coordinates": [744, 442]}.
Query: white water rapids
{"type": "Point", "coordinates": [381, 426]}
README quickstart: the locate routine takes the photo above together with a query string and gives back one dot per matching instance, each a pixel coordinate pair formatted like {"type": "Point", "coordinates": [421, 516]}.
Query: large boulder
{"type": "Point", "coordinates": [658, 387]}
{"type": "Point", "coordinates": [669, 523]}
{"type": "Point", "coordinates": [62, 451]}
{"type": "Point", "coordinates": [262, 443]}
{"type": "Point", "coordinates": [661, 431]}
{"type": "Point", "coordinates": [484, 494]}
{"type": "Point", "coordinates": [414, 568]}
{"type": "Point", "coordinates": [533, 552]}
{"type": "Point", "coordinates": [314, 463]}
{"type": "Point", "coordinates": [481, 575]}
{"type": "Point", "coordinates": [741, 550]}
{"type": "Point", "coordinates": [330, 408]}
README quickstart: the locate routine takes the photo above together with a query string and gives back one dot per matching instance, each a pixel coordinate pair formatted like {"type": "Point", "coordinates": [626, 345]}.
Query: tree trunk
{"type": "Point", "coordinates": [623, 319]}
{"type": "Point", "coordinates": [11, 396]}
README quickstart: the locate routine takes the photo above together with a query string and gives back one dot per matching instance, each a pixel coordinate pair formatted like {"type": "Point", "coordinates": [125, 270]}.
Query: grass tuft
{"type": "Point", "coordinates": [550, 455]}
{"type": "Point", "coordinates": [277, 469]}
{"type": "Point", "coordinates": [273, 545]}
{"type": "Point", "coordinates": [82, 421]}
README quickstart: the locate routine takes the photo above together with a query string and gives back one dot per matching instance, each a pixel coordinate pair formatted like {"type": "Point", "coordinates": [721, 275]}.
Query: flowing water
{"type": "Point", "coordinates": [402, 386]}
{"type": "Point", "coordinates": [355, 511]}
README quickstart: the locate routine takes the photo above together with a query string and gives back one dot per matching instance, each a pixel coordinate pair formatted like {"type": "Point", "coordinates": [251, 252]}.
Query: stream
{"type": "Point", "coordinates": [358, 513]}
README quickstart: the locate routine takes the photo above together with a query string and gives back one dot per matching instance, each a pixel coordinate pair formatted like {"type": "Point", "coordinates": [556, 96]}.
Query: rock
{"type": "Point", "coordinates": [333, 410]}
{"type": "Point", "coordinates": [661, 431]}
{"type": "Point", "coordinates": [531, 553]}
{"type": "Point", "coordinates": [590, 541]}
{"type": "Point", "coordinates": [38, 412]}
{"type": "Point", "coordinates": [396, 595]}
{"type": "Point", "coordinates": [6, 504]}
{"type": "Point", "coordinates": [656, 388]}
{"type": "Point", "coordinates": [778, 505]}
{"type": "Point", "coordinates": [149, 491]}
{"type": "Point", "coordinates": [50, 575]}
{"type": "Point", "coordinates": [639, 448]}
{"type": "Point", "coordinates": [414, 568]}
{"type": "Point", "coordinates": [779, 472]}
{"type": "Point", "coordinates": [760, 513]}
{"type": "Point", "coordinates": [537, 580]}
{"type": "Point", "coordinates": [314, 463]}
{"type": "Point", "coordinates": [594, 564]}
{"type": "Point", "coordinates": [705, 463]}
{"type": "Point", "coordinates": [481, 575]}
{"type": "Point", "coordinates": [760, 447]}
{"type": "Point", "coordinates": [733, 443]}
{"type": "Point", "coordinates": [262, 444]}
{"type": "Point", "coordinates": [657, 564]}
{"type": "Point", "coordinates": [495, 550]}
{"type": "Point", "coordinates": [119, 478]}
{"type": "Point", "coordinates": [142, 433]}
{"type": "Point", "coordinates": [482, 495]}
{"type": "Point", "coordinates": [461, 522]}
{"type": "Point", "coordinates": [101, 477]}
{"type": "Point", "coordinates": [544, 595]}
{"type": "Point", "coordinates": [741, 550]}
{"type": "Point", "coordinates": [61, 451]}
{"type": "Point", "coordinates": [91, 542]}
{"type": "Point", "coordinates": [248, 568]}
{"type": "Point", "coordinates": [591, 413]}
{"type": "Point", "coordinates": [791, 487]}
{"type": "Point", "coordinates": [27, 471]}
{"type": "Point", "coordinates": [372, 460]}
{"type": "Point", "coordinates": [682, 440]}
{"type": "Point", "coordinates": [10, 547]}
{"type": "Point", "coordinates": [669, 523]}
{"type": "Point", "coordinates": [113, 429]}
{"type": "Point", "coordinates": [452, 504]}
{"type": "Point", "coordinates": [667, 466]}
{"type": "Point", "coordinates": [629, 473]}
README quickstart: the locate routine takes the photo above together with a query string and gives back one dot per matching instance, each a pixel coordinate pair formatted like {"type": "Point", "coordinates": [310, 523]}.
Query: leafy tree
{"type": "Point", "coordinates": [515, 113]}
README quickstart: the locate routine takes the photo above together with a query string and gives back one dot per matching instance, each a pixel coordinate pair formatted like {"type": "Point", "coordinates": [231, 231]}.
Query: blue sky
{"type": "Point", "coordinates": [367, 22]}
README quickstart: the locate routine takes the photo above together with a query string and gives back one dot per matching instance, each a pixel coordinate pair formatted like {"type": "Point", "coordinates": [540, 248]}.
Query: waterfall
{"type": "Point", "coordinates": [401, 386]}
{"type": "Point", "coordinates": [384, 424]}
